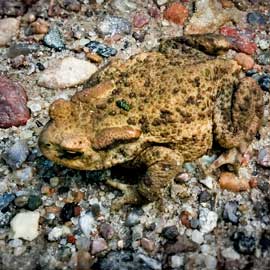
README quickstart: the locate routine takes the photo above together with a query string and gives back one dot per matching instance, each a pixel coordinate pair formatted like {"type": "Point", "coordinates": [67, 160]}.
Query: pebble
{"type": "Point", "coordinates": [9, 28]}
{"type": "Point", "coordinates": [132, 219]}
{"type": "Point", "coordinates": [101, 49]}
{"type": "Point", "coordinates": [170, 232]}
{"type": "Point", "coordinates": [209, 16]}
{"type": "Point", "coordinates": [208, 182]}
{"type": "Point", "coordinates": [140, 20]}
{"type": "Point", "coordinates": [25, 225]}
{"type": "Point", "coordinates": [263, 185]}
{"type": "Point", "coordinates": [16, 155]}
{"type": "Point", "coordinates": [5, 219]}
{"type": "Point", "coordinates": [208, 220]}
{"type": "Point", "coordinates": [21, 201]}
{"type": "Point", "coordinates": [264, 157]}
{"type": "Point", "coordinates": [98, 245]}
{"type": "Point", "coordinates": [57, 232]}
{"type": "Point", "coordinates": [244, 244]}
{"type": "Point", "coordinates": [95, 209]}
{"type": "Point", "coordinates": [230, 212]}
{"type": "Point", "coordinates": [232, 183]}
{"type": "Point", "coordinates": [106, 231]}
{"type": "Point", "coordinates": [137, 232]}
{"type": "Point", "coordinates": [83, 242]}
{"type": "Point", "coordinates": [265, 241]}
{"type": "Point", "coordinates": [6, 199]}
{"type": "Point", "coordinates": [13, 99]}
{"type": "Point", "coordinates": [177, 261]}
{"type": "Point", "coordinates": [150, 262]}
{"type": "Point", "coordinates": [40, 27]}
{"type": "Point", "coordinates": [230, 253]}
{"type": "Point", "coordinates": [263, 44]}
{"type": "Point", "coordinates": [53, 39]}
{"type": "Point", "coordinates": [34, 202]}
{"type": "Point", "coordinates": [197, 237]}
{"type": "Point", "coordinates": [17, 49]}
{"type": "Point", "coordinates": [204, 196]}
{"type": "Point", "coordinates": [244, 60]}
{"type": "Point", "coordinates": [67, 212]}
{"type": "Point", "coordinates": [87, 224]}
{"type": "Point", "coordinates": [147, 244]}
{"type": "Point", "coordinates": [255, 18]}
{"type": "Point", "coordinates": [112, 25]}
{"type": "Point", "coordinates": [84, 260]}
{"type": "Point", "coordinates": [264, 82]}
{"type": "Point", "coordinates": [183, 244]}
{"type": "Point", "coordinates": [66, 72]}
{"type": "Point", "coordinates": [210, 262]}
{"type": "Point", "coordinates": [125, 6]}
{"type": "Point", "coordinates": [176, 13]}
{"type": "Point", "coordinates": [264, 58]}
{"type": "Point", "coordinates": [161, 2]}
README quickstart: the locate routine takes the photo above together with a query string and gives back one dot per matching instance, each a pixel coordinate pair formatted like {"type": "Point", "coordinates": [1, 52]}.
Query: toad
{"type": "Point", "coordinates": [155, 111]}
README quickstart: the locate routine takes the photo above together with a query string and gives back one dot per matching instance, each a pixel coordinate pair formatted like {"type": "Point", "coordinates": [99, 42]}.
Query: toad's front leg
{"type": "Point", "coordinates": [162, 164]}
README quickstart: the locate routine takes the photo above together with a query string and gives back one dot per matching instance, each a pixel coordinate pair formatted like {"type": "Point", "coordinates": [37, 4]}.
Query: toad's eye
{"type": "Point", "coordinates": [70, 154]}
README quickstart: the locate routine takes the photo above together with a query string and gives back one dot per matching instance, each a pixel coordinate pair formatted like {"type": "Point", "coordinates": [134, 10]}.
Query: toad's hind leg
{"type": "Point", "coordinates": [237, 118]}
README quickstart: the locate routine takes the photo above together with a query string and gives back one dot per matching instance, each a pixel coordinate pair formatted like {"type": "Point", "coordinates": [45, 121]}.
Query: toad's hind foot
{"type": "Point", "coordinates": [131, 195]}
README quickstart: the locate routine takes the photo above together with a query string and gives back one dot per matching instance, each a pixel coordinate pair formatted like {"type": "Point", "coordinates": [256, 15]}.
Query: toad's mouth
{"type": "Point", "coordinates": [67, 154]}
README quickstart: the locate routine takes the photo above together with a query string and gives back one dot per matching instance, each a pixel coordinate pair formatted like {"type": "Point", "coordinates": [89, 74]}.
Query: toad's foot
{"type": "Point", "coordinates": [131, 195]}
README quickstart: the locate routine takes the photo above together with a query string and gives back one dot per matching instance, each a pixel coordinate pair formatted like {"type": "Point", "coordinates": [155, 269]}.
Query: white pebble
{"type": "Point", "coordinates": [57, 232]}
{"type": "Point", "coordinates": [208, 220]}
{"type": "Point", "coordinates": [87, 224]}
{"type": "Point", "coordinates": [25, 225]}
{"type": "Point", "coordinates": [197, 237]}
{"type": "Point", "coordinates": [177, 261]}
{"type": "Point", "coordinates": [210, 262]}
{"type": "Point", "coordinates": [230, 253]}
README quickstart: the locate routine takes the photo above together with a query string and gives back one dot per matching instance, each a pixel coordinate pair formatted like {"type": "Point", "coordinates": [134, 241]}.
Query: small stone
{"type": "Point", "coordinates": [6, 199]}
{"type": "Point", "coordinates": [57, 232]}
{"type": "Point", "coordinates": [139, 36]}
{"type": "Point", "coordinates": [263, 185]}
{"type": "Point", "coordinates": [232, 183]}
{"type": "Point", "coordinates": [264, 58]}
{"type": "Point", "coordinates": [204, 196]}
{"type": "Point", "coordinates": [95, 209]}
{"type": "Point", "coordinates": [170, 232]}
{"type": "Point", "coordinates": [265, 241]}
{"type": "Point", "coordinates": [72, 5]}
{"type": "Point", "coordinates": [194, 223]}
{"type": "Point", "coordinates": [177, 261]}
{"type": "Point", "coordinates": [125, 6]}
{"type": "Point", "coordinates": [16, 155]}
{"type": "Point", "coordinates": [244, 244]}
{"type": "Point", "coordinates": [137, 232]}
{"type": "Point", "coordinates": [161, 2]}
{"type": "Point", "coordinates": [40, 27]}
{"type": "Point", "coordinates": [9, 28]}
{"type": "Point", "coordinates": [149, 262]}
{"type": "Point", "coordinates": [197, 237]}
{"type": "Point", "coordinates": [185, 218]}
{"type": "Point", "coordinates": [107, 231]}
{"type": "Point", "coordinates": [230, 253]}
{"type": "Point", "coordinates": [148, 245]}
{"type": "Point", "coordinates": [264, 82]}
{"type": "Point", "coordinates": [17, 49]}
{"type": "Point", "coordinates": [21, 201]}
{"type": "Point", "coordinates": [98, 245]}
{"type": "Point", "coordinates": [132, 219]}
{"type": "Point", "coordinates": [244, 60]}
{"type": "Point", "coordinates": [208, 182]}
{"type": "Point", "coordinates": [101, 49]}
{"type": "Point", "coordinates": [210, 262]}
{"type": "Point", "coordinates": [84, 260]}
{"type": "Point", "coordinates": [231, 212]}
{"type": "Point", "coordinates": [208, 220]}
{"type": "Point", "coordinates": [13, 99]}
{"type": "Point", "coordinates": [112, 25]}
{"type": "Point", "coordinates": [66, 72]}
{"type": "Point", "coordinates": [209, 16]}
{"type": "Point", "coordinates": [25, 225]}
{"type": "Point", "coordinates": [87, 224]}
{"type": "Point", "coordinates": [54, 39]}
{"type": "Point", "coordinates": [83, 242]}
{"type": "Point", "coordinates": [67, 212]}
{"type": "Point", "coordinates": [34, 202]}
{"type": "Point", "coordinates": [94, 57]}
{"type": "Point", "coordinates": [140, 20]}
{"type": "Point", "coordinates": [255, 18]}
{"type": "Point", "coordinates": [176, 13]}
{"type": "Point", "coordinates": [183, 244]}
{"type": "Point", "coordinates": [263, 44]}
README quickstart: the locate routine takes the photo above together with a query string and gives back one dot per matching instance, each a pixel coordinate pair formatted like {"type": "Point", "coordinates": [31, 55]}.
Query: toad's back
{"type": "Point", "coordinates": [170, 99]}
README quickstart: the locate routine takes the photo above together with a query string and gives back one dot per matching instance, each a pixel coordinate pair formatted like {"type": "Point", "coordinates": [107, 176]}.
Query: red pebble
{"type": "Point", "coordinates": [140, 20]}
{"type": "Point", "coordinates": [176, 13]}
{"type": "Point", "coordinates": [13, 99]}
{"type": "Point", "coordinates": [240, 39]}
{"type": "Point", "coordinates": [71, 239]}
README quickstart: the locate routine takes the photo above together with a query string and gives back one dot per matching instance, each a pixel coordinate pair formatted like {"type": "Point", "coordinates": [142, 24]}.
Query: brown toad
{"type": "Point", "coordinates": [155, 110]}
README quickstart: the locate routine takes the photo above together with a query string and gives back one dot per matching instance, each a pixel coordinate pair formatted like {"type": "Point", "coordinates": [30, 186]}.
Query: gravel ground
{"type": "Point", "coordinates": [52, 217]}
